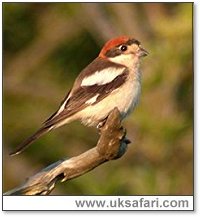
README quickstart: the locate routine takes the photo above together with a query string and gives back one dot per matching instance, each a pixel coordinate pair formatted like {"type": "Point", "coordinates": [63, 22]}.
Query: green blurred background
{"type": "Point", "coordinates": [46, 45]}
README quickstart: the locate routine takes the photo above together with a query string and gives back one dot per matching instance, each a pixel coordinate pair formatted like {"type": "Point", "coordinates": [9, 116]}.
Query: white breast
{"type": "Point", "coordinates": [124, 98]}
{"type": "Point", "coordinates": [129, 97]}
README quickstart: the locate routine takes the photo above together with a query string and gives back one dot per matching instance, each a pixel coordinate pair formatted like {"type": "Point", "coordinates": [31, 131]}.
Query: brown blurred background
{"type": "Point", "coordinates": [46, 45]}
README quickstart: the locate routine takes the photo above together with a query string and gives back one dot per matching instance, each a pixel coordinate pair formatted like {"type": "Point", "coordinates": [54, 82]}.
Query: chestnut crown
{"type": "Point", "coordinates": [117, 46]}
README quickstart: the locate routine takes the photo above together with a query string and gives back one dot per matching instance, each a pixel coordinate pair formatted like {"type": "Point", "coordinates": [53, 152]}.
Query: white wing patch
{"type": "Point", "coordinates": [102, 77]}
{"type": "Point", "coordinates": [92, 100]}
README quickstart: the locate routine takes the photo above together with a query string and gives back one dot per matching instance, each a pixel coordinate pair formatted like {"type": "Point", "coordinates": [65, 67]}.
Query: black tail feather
{"type": "Point", "coordinates": [30, 140]}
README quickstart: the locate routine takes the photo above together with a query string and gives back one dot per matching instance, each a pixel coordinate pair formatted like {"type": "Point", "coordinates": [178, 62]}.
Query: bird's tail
{"type": "Point", "coordinates": [31, 139]}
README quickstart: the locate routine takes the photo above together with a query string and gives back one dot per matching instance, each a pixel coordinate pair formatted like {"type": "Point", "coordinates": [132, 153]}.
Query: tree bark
{"type": "Point", "coordinates": [112, 144]}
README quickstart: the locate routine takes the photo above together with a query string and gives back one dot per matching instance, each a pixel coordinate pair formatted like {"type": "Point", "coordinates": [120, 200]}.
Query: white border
{"type": "Point", "coordinates": [98, 203]}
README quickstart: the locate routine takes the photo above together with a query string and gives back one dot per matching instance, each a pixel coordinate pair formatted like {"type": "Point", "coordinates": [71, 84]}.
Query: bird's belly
{"type": "Point", "coordinates": [124, 98]}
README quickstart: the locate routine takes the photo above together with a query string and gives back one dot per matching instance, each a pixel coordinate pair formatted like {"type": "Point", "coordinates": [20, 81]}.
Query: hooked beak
{"type": "Point", "coordinates": [142, 52]}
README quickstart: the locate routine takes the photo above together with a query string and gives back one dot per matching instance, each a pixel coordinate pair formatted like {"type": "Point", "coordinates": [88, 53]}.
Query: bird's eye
{"type": "Point", "coordinates": [123, 47]}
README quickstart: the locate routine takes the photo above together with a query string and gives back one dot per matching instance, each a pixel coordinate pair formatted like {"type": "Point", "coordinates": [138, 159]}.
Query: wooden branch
{"type": "Point", "coordinates": [112, 144]}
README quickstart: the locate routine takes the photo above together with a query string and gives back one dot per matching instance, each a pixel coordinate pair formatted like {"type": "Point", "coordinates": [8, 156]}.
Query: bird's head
{"type": "Point", "coordinates": [123, 50]}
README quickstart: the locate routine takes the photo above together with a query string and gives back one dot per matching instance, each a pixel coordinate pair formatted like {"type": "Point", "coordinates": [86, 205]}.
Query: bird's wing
{"type": "Point", "coordinates": [85, 96]}
{"type": "Point", "coordinates": [88, 76]}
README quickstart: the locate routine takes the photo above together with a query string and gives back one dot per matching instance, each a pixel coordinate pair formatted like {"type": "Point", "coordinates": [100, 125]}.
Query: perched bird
{"type": "Point", "coordinates": [111, 80]}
